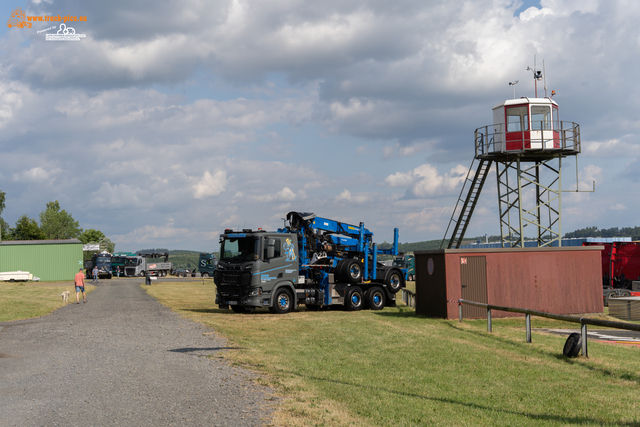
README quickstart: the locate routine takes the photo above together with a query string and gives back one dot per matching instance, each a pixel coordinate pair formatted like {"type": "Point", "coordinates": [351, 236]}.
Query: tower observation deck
{"type": "Point", "coordinates": [527, 142]}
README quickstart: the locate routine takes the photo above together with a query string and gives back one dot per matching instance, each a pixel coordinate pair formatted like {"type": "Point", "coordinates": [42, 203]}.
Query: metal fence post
{"type": "Point", "coordinates": [459, 311]}
{"type": "Point", "coordinates": [528, 322]}
{"type": "Point", "coordinates": [488, 320]}
{"type": "Point", "coordinates": [585, 353]}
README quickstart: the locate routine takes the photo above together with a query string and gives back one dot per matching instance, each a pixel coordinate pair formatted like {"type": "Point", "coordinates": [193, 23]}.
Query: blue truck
{"type": "Point", "coordinates": [313, 261]}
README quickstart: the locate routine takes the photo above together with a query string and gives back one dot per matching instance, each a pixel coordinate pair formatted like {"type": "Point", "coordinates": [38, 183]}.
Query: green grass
{"type": "Point", "coordinates": [26, 300]}
{"type": "Point", "coordinates": [390, 367]}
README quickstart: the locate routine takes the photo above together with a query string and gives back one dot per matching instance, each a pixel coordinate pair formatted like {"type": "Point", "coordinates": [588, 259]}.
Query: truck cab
{"type": "Point", "coordinates": [207, 264]}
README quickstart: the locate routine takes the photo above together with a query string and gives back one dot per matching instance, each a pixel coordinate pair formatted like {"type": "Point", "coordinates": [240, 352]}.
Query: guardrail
{"type": "Point", "coordinates": [584, 321]}
{"type": "Point", "coordinates": [409, 298]}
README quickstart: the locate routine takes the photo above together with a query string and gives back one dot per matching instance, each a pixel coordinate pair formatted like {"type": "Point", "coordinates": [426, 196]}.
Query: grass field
{"type": "Point", "coordinates": [391, 368]}
{"type": "Point", "coordinates": [30, 299]}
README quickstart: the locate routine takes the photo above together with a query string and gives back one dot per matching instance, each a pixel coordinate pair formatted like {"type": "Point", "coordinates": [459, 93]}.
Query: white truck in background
{"type": "Point", "coordinates": [143, 263]}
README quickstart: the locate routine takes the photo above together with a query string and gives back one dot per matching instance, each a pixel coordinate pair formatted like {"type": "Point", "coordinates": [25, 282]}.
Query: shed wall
{"type": "Point", "coordinates": [546, 279]}
{"type": "Point", "coordinates": [49, 262]}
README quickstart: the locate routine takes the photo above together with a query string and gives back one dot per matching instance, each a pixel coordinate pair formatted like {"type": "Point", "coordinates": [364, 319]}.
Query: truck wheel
{"type": "Point", "coordinates": [353, 269]}
{"type": "Point", "coordinates": [411, 277]}
{"type": "Point", "coordinates": [375, 298]}
{"type": "Point", "coordinates": [354, 300]}
{"type": "Point", "coordinates": [282, 302]}
{"type": "Point", "coordinates": [394, 281]}
{"type": "Point", "coordinates": [573, 345]}
{"type": "Point", "coordinates": [205, 275]}
{"type": "Point", "coordinates": [142, 274]}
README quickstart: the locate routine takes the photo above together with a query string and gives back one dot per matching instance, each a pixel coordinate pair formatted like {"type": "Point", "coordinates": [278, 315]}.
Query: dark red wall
{"type": "Point", "coordinates": [555, 280]}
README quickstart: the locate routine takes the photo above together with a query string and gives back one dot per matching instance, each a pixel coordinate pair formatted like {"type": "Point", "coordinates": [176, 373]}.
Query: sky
{"type": "Point", "coordinates": [168, 122]}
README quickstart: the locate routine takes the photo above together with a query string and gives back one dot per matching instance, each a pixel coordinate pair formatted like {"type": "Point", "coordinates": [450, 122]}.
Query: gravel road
{"type": "Point", "coordinates": [122, 359]}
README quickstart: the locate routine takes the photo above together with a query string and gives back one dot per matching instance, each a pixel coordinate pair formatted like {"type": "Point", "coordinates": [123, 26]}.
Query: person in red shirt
{"type": "Point", "coordinates": [79, 281]}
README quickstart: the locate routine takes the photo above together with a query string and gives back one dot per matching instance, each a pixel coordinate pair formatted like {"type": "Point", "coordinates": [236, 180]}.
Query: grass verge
{"type": "Point", "coordinates": [26, 300]}
{"type": "Point", "coordinates": [390, 367]}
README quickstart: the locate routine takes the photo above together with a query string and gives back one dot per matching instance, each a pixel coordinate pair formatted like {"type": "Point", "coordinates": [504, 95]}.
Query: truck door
{"type": "Point", "coordinates": [282, 264]}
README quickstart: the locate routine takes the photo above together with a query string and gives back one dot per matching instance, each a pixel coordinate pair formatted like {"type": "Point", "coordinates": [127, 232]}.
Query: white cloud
{"type": "Point", "coordinates": [210, 185]}
{"type": "Point", "coordinates": [425, 181]}
{"type": "Point", "coordinates": [36, 174]}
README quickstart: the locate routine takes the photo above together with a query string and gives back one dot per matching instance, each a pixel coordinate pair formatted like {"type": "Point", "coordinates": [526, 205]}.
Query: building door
{"type": "Point", "coordinates": [473, 278]}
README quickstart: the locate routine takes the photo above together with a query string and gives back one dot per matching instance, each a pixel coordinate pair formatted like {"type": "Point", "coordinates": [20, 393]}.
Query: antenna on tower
{"type": "Point", "coordinates": [537, 75]}
{"type": "Point", "coordinates": [544, 72]}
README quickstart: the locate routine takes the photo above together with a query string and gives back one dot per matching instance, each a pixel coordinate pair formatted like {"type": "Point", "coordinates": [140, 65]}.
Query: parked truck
{"type": "Point", "coordinates": [313, 261]}
{"type": "Point", "coordinates": [102, 261]}
{"type": "Point", "coordinates": [207, 264]}
{"type": "Point", "coordinates": [408, 263]}
{"type": "Point", "coordinates": [118, 260]}
{"type": "Point", "coordinates": [143, 263]}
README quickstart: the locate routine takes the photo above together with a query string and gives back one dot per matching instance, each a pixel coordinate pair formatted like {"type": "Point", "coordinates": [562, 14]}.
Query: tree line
{"type": "Point", "coordinates": [54, 224]}
{"type": "Point", "coordinates": [633, 232]}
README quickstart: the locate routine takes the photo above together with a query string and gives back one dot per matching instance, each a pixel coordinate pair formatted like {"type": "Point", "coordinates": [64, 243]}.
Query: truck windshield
{"type": "Point", "coordinates": [236, 249]}
{"type": "Point", "coordinates": [130, 261]}
{"type": "Point", "coordinates": [103, 261]}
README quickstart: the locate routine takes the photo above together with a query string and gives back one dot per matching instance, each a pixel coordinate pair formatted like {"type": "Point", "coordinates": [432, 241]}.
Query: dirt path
{"type": "Point", "coordinates": [121, 359]}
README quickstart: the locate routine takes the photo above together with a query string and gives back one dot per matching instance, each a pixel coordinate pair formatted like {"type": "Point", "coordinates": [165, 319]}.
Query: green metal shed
{"type": "Point", "coordinates": [48, 259]}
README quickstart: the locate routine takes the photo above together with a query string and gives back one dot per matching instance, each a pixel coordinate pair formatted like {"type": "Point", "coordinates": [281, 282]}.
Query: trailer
{"type": "Point", "coordinates": [313, 261]}
{"type": "Point", "coordinates": [620, 269]}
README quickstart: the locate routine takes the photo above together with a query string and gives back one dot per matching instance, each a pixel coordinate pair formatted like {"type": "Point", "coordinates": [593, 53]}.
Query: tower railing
{"type": "Point", "coordinates": [491, 139]}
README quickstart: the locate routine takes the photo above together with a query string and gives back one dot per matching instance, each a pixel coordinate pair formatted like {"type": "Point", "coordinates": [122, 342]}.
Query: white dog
{"type": "Point", "coordinates": [65, 296]}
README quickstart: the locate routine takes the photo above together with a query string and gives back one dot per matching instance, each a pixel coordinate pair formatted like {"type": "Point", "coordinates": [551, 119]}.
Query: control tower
{"type": "Point", "coordinates": [526, 142]}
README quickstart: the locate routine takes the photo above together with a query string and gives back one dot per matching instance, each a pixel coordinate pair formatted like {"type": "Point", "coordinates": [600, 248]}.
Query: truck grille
{"type": "Point", "coordinates": [242, 278]}
{"type": "Point", "coordinates": [129, 271]}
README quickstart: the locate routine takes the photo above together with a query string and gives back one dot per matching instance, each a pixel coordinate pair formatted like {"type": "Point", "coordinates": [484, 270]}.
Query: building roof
{"type": "Point", "coordinates": [41, 242]}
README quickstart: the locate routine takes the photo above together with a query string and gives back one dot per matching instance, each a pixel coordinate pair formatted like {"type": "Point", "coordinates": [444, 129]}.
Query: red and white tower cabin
{"type": "Point", "coordinates": [526, 124]}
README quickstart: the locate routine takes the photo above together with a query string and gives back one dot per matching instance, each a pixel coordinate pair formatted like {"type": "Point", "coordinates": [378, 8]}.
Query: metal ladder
{"type": "Point", "coordinates": [466, 203]}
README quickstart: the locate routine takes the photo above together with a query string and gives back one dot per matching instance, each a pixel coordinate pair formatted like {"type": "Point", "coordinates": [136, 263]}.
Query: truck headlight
{"type": "Point", "coordinates": [255, 292]}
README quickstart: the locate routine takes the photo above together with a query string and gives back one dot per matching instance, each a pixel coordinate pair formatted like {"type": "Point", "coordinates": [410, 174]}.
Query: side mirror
{"type": "Point", "coordinates": [271, 243]}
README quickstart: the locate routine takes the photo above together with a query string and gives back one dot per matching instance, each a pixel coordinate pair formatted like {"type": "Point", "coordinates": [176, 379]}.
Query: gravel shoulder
{"type": "Point", "coordinates": [122, 359]}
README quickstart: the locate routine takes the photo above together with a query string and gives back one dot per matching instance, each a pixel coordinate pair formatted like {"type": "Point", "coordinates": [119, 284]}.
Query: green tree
{"type": "Point", "coordinates": [96, 236]}
{"type": "Point", "coordinates": [91, 236]}
{"type": "Point", "coordinates": [4, 227]}
{"type": "Point", "coordinates": [27, 229]}
{"type": "Point", "coordinates": [58, 224]}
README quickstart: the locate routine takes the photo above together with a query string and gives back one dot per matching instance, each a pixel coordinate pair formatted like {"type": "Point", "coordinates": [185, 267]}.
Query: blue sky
{"type": "Point", "coordinates": [172, 121]}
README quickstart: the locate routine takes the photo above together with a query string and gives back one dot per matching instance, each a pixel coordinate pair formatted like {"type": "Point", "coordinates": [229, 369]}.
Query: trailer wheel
{"type": "Point", "coordinates": [573, 345]}
{"type": "Point", "coordinates": [354, 299]}
{"type": "Point", "coordinates": [394, 281]}
{"type": "Point", "coordinates": [375, 298]}
{"type": "Point", "coordinates": [282, 302]}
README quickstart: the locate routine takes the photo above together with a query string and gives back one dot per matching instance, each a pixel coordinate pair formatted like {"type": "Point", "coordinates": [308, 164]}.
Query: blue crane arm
{"type": "Point", "coordinates": [339, 227]}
